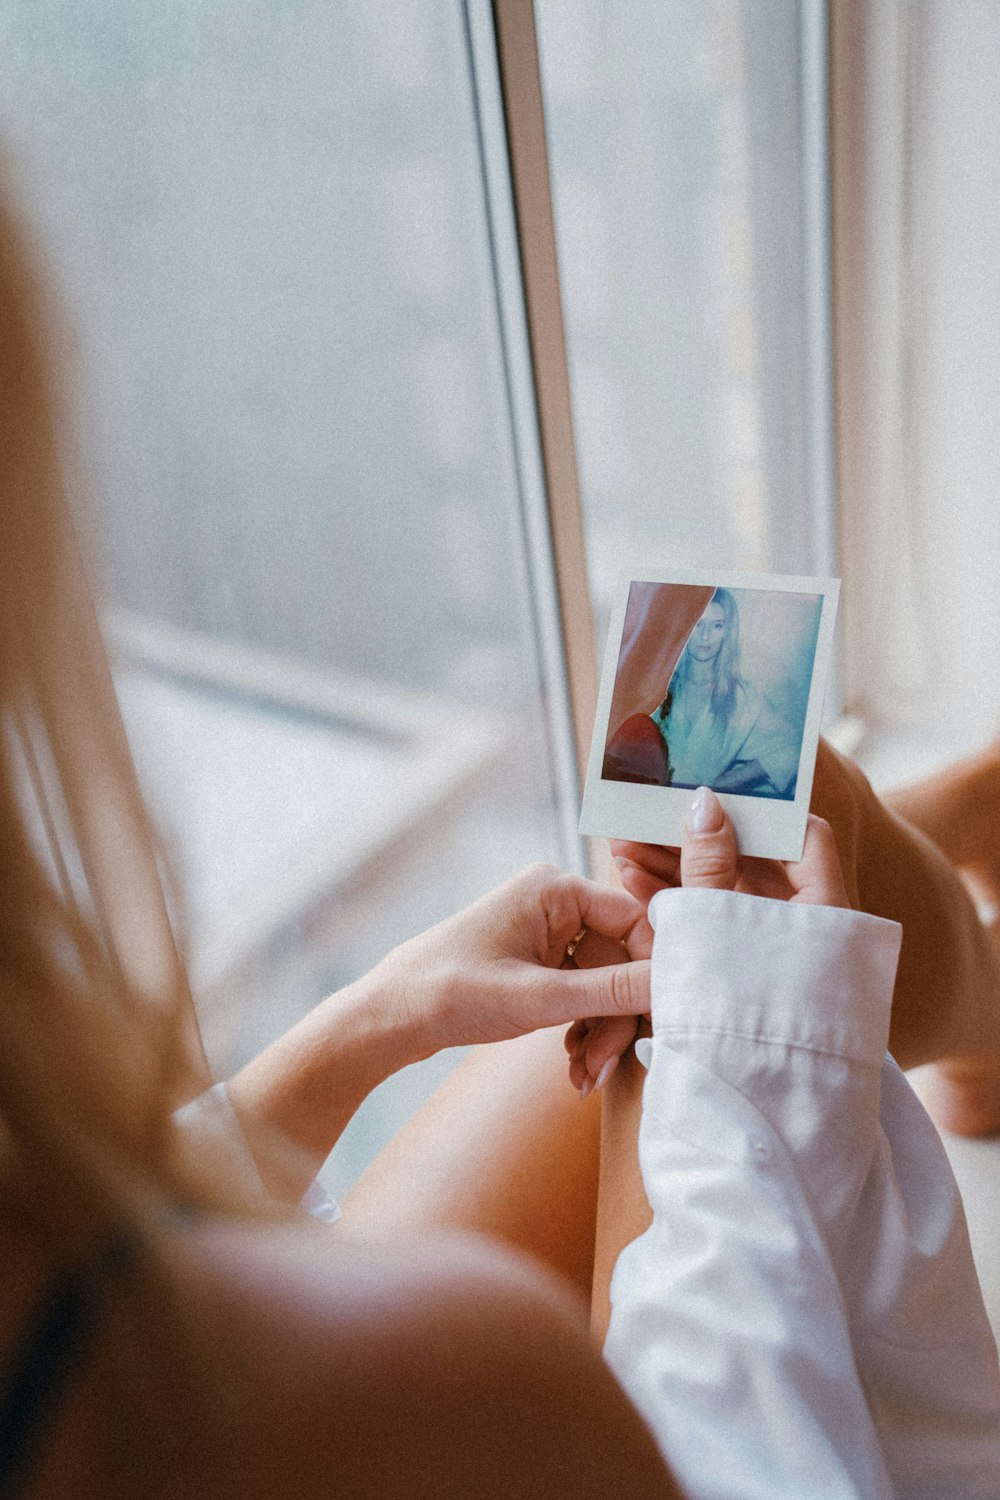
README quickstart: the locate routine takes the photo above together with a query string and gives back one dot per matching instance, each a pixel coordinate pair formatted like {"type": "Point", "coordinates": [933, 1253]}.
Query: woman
{"type": "Point", "coordinates": [165, 1330]}
{"type": "Point", "coordinates": [717, 728]}
{"type": "Point", "coordinates": [166, 1327]}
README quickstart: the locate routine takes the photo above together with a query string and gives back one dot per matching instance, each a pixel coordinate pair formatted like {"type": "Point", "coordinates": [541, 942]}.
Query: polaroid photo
{"type": "Point", "coordinates": [711, 680]}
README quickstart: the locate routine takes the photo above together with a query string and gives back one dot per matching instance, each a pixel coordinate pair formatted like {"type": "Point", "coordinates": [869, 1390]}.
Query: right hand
{"type": "Point", "coordinates": [709, 858]}
{"type": "Point", "coordinates": [496, 970]}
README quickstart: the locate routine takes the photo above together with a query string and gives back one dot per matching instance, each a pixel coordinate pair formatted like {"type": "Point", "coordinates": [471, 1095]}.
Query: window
{"type": "Point", "coordinates": [688, 172]}
{"type": "Point", "coordinates": [287, 239]}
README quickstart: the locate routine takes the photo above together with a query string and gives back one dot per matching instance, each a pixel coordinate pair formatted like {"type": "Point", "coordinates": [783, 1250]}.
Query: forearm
{"type": "Point", "coordinates": [296, 1097]}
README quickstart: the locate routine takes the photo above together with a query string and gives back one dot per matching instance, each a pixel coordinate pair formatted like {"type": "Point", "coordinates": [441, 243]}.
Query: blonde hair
{"type": "Point", "coordinates": [98, 1042]}
{"type": "Point", "coordinates": [727, 679]}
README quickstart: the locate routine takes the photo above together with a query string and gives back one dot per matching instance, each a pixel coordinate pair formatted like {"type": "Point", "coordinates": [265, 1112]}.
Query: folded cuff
{"type": "Point", "coordinates": [818, 977]}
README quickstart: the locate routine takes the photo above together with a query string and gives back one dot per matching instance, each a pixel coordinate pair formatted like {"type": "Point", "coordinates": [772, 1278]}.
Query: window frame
{"type": "Point", "coordinates": [515, 39]}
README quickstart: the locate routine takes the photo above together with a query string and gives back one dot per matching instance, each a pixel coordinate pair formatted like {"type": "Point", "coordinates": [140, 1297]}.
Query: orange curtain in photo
{"type": "Point", "coordinates": [658, 620]}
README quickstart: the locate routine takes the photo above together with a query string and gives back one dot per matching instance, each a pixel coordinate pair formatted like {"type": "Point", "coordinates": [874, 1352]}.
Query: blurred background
{"type": "Point", "coordinates": [319, 487]}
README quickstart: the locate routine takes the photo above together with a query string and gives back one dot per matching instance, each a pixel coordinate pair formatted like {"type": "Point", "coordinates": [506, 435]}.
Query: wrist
{"type": "Point", "coordinates": [305, 1087]}
{"type": "Point", "coordinates": [377, 1023]}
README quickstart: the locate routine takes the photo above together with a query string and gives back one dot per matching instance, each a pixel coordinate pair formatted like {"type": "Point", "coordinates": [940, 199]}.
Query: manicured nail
{"type": "Point", "coordinates": [605, 1073]}
{"type": "Point", "coordinates": [587, 1086]}
{"type": "Point", "coordinates": [705, 812]}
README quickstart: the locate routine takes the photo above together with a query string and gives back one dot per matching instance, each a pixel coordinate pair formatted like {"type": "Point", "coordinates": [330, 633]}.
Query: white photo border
{"type": "Point", "coordinates": [765, 826]}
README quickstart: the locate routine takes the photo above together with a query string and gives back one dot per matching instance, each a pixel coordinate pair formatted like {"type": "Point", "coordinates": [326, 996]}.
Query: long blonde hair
{"type": "Point", "coordinates": [98, 1041]}
{"type": "Point", "coordinates": [98, 1038]}
{"type": "Point", "coordinates": [727, 679]}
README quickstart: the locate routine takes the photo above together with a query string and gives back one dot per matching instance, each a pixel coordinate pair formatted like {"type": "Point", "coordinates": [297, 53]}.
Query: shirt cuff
{"type": "Point", "coordinates": [816, 977]}
{"type": "Point", "coordinates": [214, 1124]}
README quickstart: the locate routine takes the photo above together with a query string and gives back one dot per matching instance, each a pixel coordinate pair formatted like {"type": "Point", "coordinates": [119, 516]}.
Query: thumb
{"type": "Point", "coordinates": [708, 851]}
{"type": "Point", "coordinates": [612, 990]}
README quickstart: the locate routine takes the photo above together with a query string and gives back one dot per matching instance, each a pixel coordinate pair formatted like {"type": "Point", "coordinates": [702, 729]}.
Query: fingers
{"type": "Point", "coordinates": [614, 990]}
{"type": "Point", "coordinates": [645, 869]}
{"type": "Point", "coordinates": [595, 951]}
{"type": "Point", "coordinates": [595, 1048]}
{"type": "Point", "coordinates": [708, 853]}
{"type": "Point", "coordinates": [641, 884]}
{"type": "Point", "coordinates": [658, 859]}
{"type": "Point", "coordinates": [654, 860]}
{"type": "Point", "coordinates": [614, 919]}
{"type": "Point", "coordinates": [818, 878]}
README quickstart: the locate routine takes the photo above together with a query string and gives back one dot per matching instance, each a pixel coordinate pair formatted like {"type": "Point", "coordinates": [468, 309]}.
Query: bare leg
{"type": "Point", "coordinates": [947, 998]}
{"type": "Point", "coordinates": [959, 809]}
{"type": "Point", "coordinates": [506, 1148]}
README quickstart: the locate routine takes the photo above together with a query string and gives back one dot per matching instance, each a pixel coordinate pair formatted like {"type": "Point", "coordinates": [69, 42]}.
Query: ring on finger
{"type": "Point", "coordinates": [568, 961]}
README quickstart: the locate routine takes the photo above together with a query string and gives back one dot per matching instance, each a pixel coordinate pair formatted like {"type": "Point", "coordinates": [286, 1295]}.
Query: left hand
{"type": "Point", "coordinates": [708, 858]}
{"type": "Point", "coordinates": [711, 858]}
{"type": "Point", "coordinates": [494, 971]}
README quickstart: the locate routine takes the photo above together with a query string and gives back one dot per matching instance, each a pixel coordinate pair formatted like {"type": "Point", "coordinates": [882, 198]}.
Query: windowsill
{"type": "Point", "coordinates": [275, 786]}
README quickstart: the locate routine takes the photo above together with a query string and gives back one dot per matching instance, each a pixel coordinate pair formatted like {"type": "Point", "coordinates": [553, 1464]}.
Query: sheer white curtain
{"type": "Point", "coordinates": [686, 182]}
{"type": "Point", "coordinates": [917, 286]}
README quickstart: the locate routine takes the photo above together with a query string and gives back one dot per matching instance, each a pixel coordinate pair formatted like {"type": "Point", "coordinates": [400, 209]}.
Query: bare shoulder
{"type": "Point", "coordinates": [443, 1367]}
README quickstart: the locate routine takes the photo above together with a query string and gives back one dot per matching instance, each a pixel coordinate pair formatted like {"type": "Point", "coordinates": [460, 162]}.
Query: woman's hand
{"type": "Point", "coordinates": [496, 970]}
{"type": "Point", "coordinates": [708, 857]}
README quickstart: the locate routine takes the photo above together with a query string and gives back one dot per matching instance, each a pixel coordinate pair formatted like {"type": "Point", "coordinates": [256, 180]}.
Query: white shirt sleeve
{"type": "Point", "coordinates": [211, 1128]}
{"type": "Point", "coordinates": [783, 1325]}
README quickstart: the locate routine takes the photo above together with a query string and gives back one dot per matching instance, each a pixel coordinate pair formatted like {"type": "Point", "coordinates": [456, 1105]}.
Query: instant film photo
{"type": "Point", "coordinates": [711, 680]}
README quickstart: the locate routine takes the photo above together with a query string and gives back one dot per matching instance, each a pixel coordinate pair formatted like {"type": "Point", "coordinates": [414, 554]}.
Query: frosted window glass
{"type": "Point", "coordinates": [675, 134]}
{"type": "Point", "coordinates": [268, 223]}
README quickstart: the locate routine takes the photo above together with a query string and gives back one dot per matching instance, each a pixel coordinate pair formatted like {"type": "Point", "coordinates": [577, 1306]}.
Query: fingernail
{"type": "Point", "coordinates": [605, 1073]}
{"type": "Point", "coordinates": [587, 1086]}
{"type": "Point", "coordinates": [705, 812]}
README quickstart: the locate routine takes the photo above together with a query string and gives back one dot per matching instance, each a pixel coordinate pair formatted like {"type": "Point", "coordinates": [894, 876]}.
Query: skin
{"type": "Point", "coordinates": [958, 809]}
{"type": "Point", "coordinates": [407, 1330]}
{"type": "Point", "coordinates": [708, 635]}
{"type": "Point", "coordinates": [490, 974]}
{"type": "Point", "coordinates": [440, 1366]}
{"type": "Point", "coordinates": [436, 1369]}
{"type": "Point", "coordinates": [525, 1160]}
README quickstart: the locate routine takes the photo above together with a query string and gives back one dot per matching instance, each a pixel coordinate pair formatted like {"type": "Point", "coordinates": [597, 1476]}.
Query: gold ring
{"type": "Point", "coordinates": [572, 946]}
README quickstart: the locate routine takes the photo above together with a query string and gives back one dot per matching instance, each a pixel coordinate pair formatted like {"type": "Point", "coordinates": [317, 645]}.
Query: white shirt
{"type": "Point", "coordinates": [211, 1127]}
{"type": "Point", "coordinates": [700, 747]}
{"type": "Point", "coordinates": [802, 1319]}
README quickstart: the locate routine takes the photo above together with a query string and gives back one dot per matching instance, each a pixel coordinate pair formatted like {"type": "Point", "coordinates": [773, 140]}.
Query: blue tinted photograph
{"type": "Point", "coordinates": [712, 688]}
